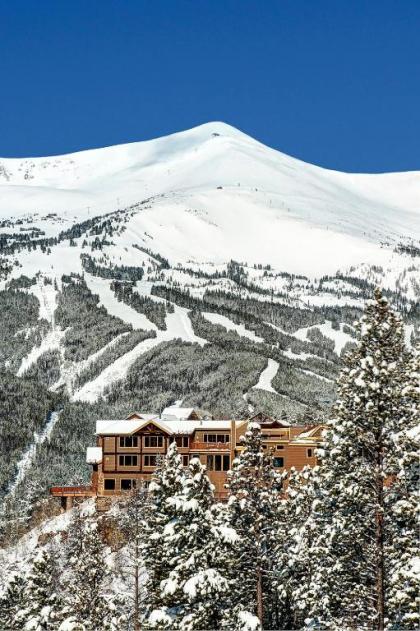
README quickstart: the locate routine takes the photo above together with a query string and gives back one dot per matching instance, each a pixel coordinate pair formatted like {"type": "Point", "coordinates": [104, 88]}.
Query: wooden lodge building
{"type": "Point", "coordinates": [126, 450]}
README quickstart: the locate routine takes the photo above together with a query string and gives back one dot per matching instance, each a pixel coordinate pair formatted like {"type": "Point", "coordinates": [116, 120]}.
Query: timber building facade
{"type": "Point", "coordinates": [127, 450]}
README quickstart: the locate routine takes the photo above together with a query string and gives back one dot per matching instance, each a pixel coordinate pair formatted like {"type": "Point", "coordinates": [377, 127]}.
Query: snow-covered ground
{"type": "Point", "coordinates": [338, 336]}
{"type": "Point", "coordinates": [217, 194]}
{"type": "Point", "coordinates": [267, 376]}
{"type": "Point", "coordinates": [28, 456]}
{"type": "Point", "coordinates": [216, 318]}
{"type": "Point", "coordinates": [178, 327]}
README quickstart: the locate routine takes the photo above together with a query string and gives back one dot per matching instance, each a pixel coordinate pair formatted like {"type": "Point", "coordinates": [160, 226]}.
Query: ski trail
{"type": "Point", "coordinates": [267, 376]}
{"type": "Point", "coordinates": [314, 374]}
{"type": "Point", "coordinates": [28, 456]}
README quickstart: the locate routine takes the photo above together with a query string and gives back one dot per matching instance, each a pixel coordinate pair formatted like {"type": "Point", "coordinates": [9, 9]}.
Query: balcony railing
{"type": "Point", "coordinates": [217, 446]}
{"type": "Point", "coordinates": [61, 491]}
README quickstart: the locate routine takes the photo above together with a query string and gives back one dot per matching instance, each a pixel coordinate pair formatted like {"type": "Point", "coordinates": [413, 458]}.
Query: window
{"type": "Point", "coordinates": [182, 441]}
{"type": "Point", "coordinates": [278, 462]}
{"type": "Point", "coordinates": [153, 441]}
{"type": "Point", "coordinates": [185, 460]}
{"type": "Point", "coordinates": [129, 441]}
{"type": "Point", "coordinates": [280, 447]}
{"type": "Point", "coordinates": [218, 463]}
{"type": "Point", "coordinates": [216, 438]}
{"type": "Point", "coordinates": [109, 484]}
{"type": "Point", "coordinates": [309, 453]}
{"type": "Point", "coordinates": [128, 461]}
{"type": "Point", "coordinates": [150, 460]}
{"type": "Point", "coordinates": [128, 484]}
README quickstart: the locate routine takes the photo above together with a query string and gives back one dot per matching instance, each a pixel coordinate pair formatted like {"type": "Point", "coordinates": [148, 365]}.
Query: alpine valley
{"type": "Point", "coordinates": [203, 267]}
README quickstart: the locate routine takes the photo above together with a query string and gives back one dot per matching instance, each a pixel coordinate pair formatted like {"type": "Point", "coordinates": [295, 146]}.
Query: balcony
{"type": "Point", "coordinates": [72, 491]}
{"type": "Point", "coordinates": [210, 446]}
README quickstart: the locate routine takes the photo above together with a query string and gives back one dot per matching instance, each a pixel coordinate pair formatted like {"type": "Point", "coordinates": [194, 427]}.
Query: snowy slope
{"type": "Point", "coordinates": [271, 208]}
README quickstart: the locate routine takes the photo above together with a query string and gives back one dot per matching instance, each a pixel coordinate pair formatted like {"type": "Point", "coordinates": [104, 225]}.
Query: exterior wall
{"type": "Point", "coordinates": [278, 440]}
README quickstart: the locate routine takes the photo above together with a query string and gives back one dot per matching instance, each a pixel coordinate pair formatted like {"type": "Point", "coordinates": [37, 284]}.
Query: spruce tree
{"type": "Point", "coordinates": [253, 507]}
{"type": "Point", "coordinates": [402, 510]}
{"type": "Point", "coordinates": [87, 601]}
{"type": "Point", "coordinates": [196, 592]}
{"type": "Point", "coordinates": [166, 483]}
{"type": "Point", "coordinates": [347, 586]}
{"type": "Point", "coordinates": [42, 609]}
{"type": "Point", "coordinates": [13, 603]}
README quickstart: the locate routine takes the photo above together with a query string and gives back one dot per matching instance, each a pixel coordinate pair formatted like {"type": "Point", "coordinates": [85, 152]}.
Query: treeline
{"type": "Point", "coordinates": [90, 326]}
{"type": "Point", "coordinates": [153, 310]}
{"type": "Point", "coordinates": [116, 272]}
{"type": "Point", "coordinates": [329, 547]}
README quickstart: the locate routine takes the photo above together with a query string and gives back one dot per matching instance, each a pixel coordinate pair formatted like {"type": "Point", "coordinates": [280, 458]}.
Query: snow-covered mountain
{"type": "Point", "coordinates": [201, 266]}
{"type": "Point", "coordinates": [217, 194]}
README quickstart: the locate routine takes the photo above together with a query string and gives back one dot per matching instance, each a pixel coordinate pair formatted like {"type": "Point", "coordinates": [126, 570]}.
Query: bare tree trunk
{"type": "Point", "coordinates": [136, 599]}
{"type": "Point", "coordinates": [260, 608]}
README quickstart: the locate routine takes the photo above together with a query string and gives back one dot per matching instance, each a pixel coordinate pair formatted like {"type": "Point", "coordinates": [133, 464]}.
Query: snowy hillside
{"type": "Point", "coordinates": [202, 266]}
{"type": "Point", "coordinates": [217, 194]}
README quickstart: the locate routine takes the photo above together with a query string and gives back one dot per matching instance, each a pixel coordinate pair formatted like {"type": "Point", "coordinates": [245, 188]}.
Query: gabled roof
{"type": "Point", "coordinates": [127, 427]}
{"type": "Point", "coordinates": [171, 426]}
{"type": "Point", "coordinates": [263, 419]}
{"type": "Point", "coordinates": [175, 412]}
{"type": "Point", "coordinates": [138, 415]}
{"type": "Point", "coordinates": [310, 436]}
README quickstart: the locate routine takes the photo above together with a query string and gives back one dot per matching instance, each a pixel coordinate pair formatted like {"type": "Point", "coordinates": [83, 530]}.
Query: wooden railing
{"type": "Point", "coordinates": [62, 491]}
{"type": "Point", "coordinates": [218, 446]}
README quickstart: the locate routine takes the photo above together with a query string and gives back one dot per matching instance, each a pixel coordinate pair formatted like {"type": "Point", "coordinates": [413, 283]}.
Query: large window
{"type": "Point", "coordinates": [216, 462]}
{"type": "Point", "coordinates": [216, 438]}
{"type": "Point", "coordinates": [153, 441]}
{"type": "Point", "coordinates": [150, 460]}
{"type": "Point", "coordinates": [109, 484]}
{"type": "Point", "coordinates": [128, 461]}
{"type": "Point", "coordinates": [182, 441]}
{"type": "Point", "coordinates": [309, 453]}
{"type": "Point", "coordinates": [129, 441]}
{"type": "Point", "coordinates": [278, 462]}
{"type": "Point", "coordinates": [185, 460]}
{"type": "Point", "coordinates": [128, 484]}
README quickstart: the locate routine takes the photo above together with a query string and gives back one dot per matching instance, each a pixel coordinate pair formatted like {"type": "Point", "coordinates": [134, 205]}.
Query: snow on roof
{"type": "Point", "coordinates": [170, 426]}
{"type": "Point", "coordinates": [94, 455]}
{"type": "Point", "coordinates": [310, 435]}
{"type": "Point", "coordinates": [175, 412]}
{"type": "Point", "coordinates": [139, 415]}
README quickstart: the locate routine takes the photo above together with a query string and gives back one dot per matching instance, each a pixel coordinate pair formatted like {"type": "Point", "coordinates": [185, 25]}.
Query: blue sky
{"type": "Point", "coordinates": [333, 82]}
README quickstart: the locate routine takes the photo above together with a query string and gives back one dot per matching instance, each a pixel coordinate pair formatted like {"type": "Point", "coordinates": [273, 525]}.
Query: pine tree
{"type": "Point", "coordinates": [196, 592]}
{"type": "Point", "coordinates": [347, 587]}
{"type": "Point", "coordinates": [13, 603]}
{"type": "Point", "coordinates": [166, 483]}
{"type": "Point", "coordinates": [132, 523]}
{"type": "Point", "coordinates": [42, 610]}
{"type": "Point", "coordinates": [87, 601]}
{"type": "Point", "coordinates": [295, 558]}
{"type": "Point", "coordinates": [253, 507]}
{"type": "Point", "coordinates": [402, 573]}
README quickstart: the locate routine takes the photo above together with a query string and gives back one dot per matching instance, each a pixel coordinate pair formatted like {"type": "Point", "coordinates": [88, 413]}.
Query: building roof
{"type": "Point", "coordinates": [174, 412]}
{"type": "Point", "coordinates": [170, 426]}
{"type": "Point", "coordinates": [94, 455]}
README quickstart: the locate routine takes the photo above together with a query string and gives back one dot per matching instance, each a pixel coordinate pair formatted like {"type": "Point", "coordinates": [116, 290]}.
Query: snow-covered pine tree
{"type": "Point", "coordinates": [253, 508]}
{"type": "Point", "coordinates": [133, 517]}
{"type": "Point", "coordinates": [42, 609]}
{"type": "Point", "coordinates": [196, 593]}
{"type": "Point", "coordinates": [13, 603]}
{"type": "Point", "coordinates": [86, 600]}
{"type": "Point", "coordinates": [347, 585]}
{"type": "Point", "coordinates": [167, 482]}
{"type": "Point", "coordinates": [402, 511]}
{"type": "Point", "coordinates": [295, 558]}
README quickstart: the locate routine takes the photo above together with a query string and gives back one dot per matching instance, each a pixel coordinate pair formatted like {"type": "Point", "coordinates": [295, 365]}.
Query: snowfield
{"type": "Point", "coordinates": [216, 194]}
